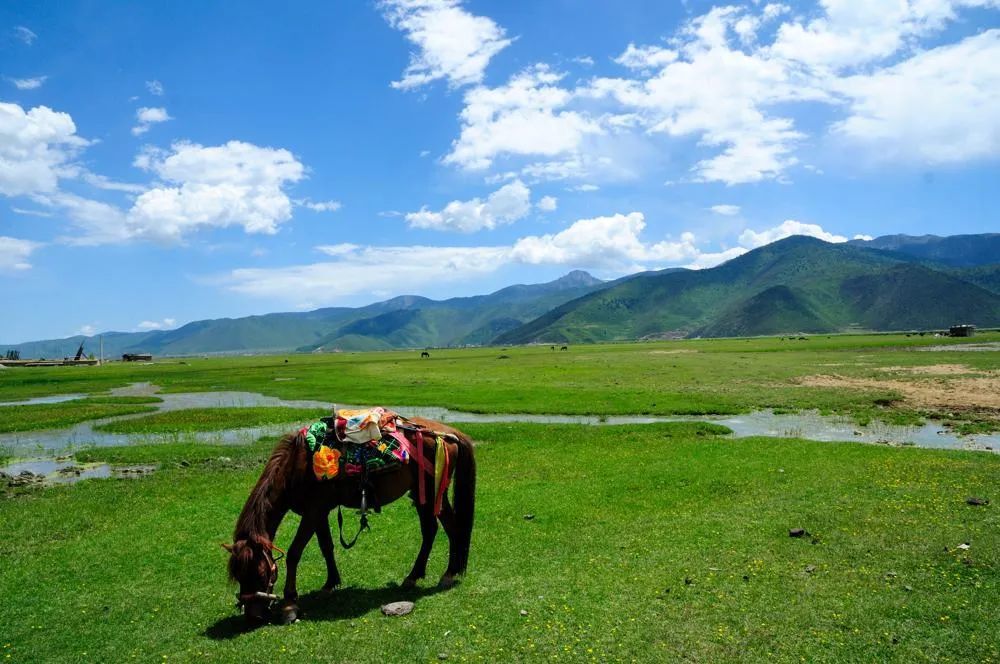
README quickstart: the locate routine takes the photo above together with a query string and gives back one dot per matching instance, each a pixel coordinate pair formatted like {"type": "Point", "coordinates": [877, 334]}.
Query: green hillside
{"type": "Point", "coordinates": [953, 250]}
{"type": "Point", "coordinates": [407, 321]}
{"type": "Point", "coordinates": [799, 284]}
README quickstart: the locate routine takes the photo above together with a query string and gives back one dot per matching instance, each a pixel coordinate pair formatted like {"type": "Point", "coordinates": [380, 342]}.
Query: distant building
{"type": "Point", "coordinates": [962, 330]}
{"type": "Point", "coordinates": [137, 357]}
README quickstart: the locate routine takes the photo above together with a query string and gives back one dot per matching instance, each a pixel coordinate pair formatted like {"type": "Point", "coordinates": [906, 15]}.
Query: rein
{"type": "Point", "coordinates": [272, 563]}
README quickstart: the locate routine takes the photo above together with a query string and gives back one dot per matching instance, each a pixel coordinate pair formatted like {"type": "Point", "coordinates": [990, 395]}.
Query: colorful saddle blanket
{"type": "Point", "coordinates": [374, 440]}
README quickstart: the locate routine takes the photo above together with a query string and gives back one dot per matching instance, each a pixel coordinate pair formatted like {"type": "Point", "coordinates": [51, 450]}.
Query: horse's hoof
{"type": "Point", "coordinates": [289, 614]}
{"type": "Point", "coordinates": [447, 582]}
{"type": "Point", "coordinates": [329, 588]}
{"type": "Point", "coordinates": [408, 583]}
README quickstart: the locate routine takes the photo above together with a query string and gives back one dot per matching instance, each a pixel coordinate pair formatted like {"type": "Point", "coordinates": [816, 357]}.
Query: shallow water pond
{"type": "Point", "coordinates": [809, 425]}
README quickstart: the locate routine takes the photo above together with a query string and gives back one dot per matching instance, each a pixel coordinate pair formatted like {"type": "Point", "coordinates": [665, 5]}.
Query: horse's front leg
{"type": "Point", "coordinates": [325, 540]}
{"type": "Point", "coordinates": [289, 607]}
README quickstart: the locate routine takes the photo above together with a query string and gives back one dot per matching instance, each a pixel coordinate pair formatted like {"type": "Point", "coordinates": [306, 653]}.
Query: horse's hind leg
{"type": "Point", "coordinates": [428, 530]}
{"type": "Point", "coordinates": [289, 607]}
{"type": "Point", "coordinates": [325, 540]}
{"type": "Point", "coordinates": [447, 519]}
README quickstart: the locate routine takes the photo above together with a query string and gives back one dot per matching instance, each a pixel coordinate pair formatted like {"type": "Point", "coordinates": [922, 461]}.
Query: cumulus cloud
{"type": "Point", "coordinates": [504, 206]}
{"type": "Point", "coordinates": [165, 324]}
{"type": "Point", "coordinates": [751, 239]}
{"type": "Point", "coordinates": [451, 43]}
{"type": "Point", "coordinates": [147, 117]}
{"type": "Point", "coordinates": [28, 83]}
{"type": "Point", "coordinates": [14, 254]}
{"type": "Point", "coordinates": [37, 148]}
{"type": "Point", "coordinates": [235, 184]}
{"type": "Point", "coordinates": [548, 203]}
{"type": "Point", "coordinates": [940, 106]}
{"type": "Point", "coordinates": [733, 79]}
{"type": "Point", "coordinates": [726, 210]}
{"type": "Point", "coordinates": [524, 117]}
{"type": "Point", "coordinates": [614, 244]}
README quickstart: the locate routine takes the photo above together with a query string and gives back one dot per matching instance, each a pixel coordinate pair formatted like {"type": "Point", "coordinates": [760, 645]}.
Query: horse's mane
{"type": "Point", "coordinates": [253, 521]}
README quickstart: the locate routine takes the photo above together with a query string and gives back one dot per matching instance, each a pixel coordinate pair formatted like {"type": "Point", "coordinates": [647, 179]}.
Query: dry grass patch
{"type": "Point", "coordinates": [952, 394]}
{"type": "Point", "coordinates": [933, 370]}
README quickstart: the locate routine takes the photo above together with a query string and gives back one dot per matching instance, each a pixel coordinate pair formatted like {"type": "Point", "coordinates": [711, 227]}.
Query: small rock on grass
{"type": "Point", "coordinates": [529, 517]}
{"type": "Point", "coordinates": [798, 532]}
{"type": "Point", "coordinates": [524, 612]}
{"type": "Point", "coordinates": [397, 608]}
{"type": "Point", "coordinates": [442, 656]}
{"type": "Point", "coordinates": [810, 569]}
{"type": "Point", "coordinates": [973, 500]}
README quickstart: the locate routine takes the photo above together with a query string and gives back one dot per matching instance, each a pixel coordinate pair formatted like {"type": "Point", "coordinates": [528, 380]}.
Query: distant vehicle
{"type": "Point", "coordinates": [137, 357]}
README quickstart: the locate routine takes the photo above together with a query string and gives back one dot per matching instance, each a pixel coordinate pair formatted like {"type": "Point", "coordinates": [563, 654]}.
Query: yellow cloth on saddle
{"type": "Point", "coordinates": [326, 463]}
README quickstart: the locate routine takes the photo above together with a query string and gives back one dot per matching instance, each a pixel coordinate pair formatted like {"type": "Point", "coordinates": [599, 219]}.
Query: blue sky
{"type": "Point", "coordinates": [167, 162]}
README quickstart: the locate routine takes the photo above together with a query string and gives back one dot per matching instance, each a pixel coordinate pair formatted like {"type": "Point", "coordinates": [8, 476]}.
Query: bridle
{"type": "Point", "coordinates": [242, 599]}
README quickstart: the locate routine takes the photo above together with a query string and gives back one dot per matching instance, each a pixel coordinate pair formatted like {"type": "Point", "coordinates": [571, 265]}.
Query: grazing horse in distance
{"type": "Point", "coordinates": [288, 483]}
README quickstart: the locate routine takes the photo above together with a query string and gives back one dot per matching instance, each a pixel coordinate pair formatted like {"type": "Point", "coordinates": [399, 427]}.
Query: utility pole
{"type": "Point", "coordinates": [102, 350]}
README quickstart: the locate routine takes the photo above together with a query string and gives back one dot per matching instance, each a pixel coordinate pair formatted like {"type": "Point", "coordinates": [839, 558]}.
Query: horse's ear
{"type": "Point", "coordinates": [227, 547]}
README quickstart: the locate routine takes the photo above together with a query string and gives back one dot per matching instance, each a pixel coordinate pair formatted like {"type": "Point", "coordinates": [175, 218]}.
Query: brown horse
{"type": "Point", "coordinates": [288, 483]}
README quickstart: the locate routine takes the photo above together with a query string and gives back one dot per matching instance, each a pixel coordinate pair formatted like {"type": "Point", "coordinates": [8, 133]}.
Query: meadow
{"type": "Point", "coordinates": [640, 543]}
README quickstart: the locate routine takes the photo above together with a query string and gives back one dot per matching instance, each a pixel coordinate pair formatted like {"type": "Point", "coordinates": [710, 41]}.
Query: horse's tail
{"type": "Point", "coordinates": [465, 500]}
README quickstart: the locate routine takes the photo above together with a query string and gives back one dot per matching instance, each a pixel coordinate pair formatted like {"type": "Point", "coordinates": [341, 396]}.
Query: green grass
{"type": "Point", "coordinates": [706, 377]}
{"type": "Point", "coordinates": [212, 419]}
{"type": "Point", "coordinates": [56, 415]}
{"type": "Point", "coordinates": [652, 543]}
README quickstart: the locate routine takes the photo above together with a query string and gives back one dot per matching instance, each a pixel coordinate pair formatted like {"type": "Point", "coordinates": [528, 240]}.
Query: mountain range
{"type": "Point", "coordinates": [796, 285]}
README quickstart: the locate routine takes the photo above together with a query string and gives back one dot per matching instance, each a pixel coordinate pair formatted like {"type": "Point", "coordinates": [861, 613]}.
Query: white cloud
{"type": "Point", "coordinates": [37, 148]}
{"type": "Point", "coordinates": [87, 330]}
{"type": "Point", "coordinates": [31, 213]}
{"type": "Point", "coordinates": [584, 60]}
{"type": "Point", "coordinates": [866, 238]}
{"type": "Point", "coordinates": [389, 269]}
{"type": "Point", "coordinates": [612, 243]}
{"type": "Point", "coordinates": [504, 206]}
{"type": "Point", "coordinates": [940, 106]}
{"type": "Point", "coordinates": [751, 239]}
{"type": "Point", "coordinates": [28, 83]}
{"type": "Point", "coordinates": [319, 206]}
{"type": "Point", "coordinates": [165, 324]}
{"type": "Point", "coordinates": [585, 187]}
{"type": "Point", "coordinates": [106, 183]}
{"type": "Point", "coordinates": [147, 117]}
{"type": "Point", "coordinates": [850, 33]}
{"type": "Point", "coordinates": [236, 184]}
{"type": "Point", "coordinates": [734, 80]}
{"type": "Point", "coordinates": [548, 203]}
{"type": "Point", "coordinates": [646, 57]}
{"type": "Point", "coordinates": [24, 34]}
{"type": "Point", "coordinates": [155, 88]}
{"type": "Point", "coordinates": [14, 254]}
{"type": "Point", "coordinates": [726, 210]}
{"type": "Point", "coordinates": [523, 117]}
{"type": "Point", "coordinates": [451, 43]}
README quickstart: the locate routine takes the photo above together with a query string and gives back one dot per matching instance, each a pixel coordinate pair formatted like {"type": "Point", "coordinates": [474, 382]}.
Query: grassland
{"type": "Point", "coordinates": [56, 415]}
{"type": "Point", "coordinates": [652, 543]}
{"type": "Point", "coordinates": [647, 543]}
{"type": "Point", "coordinates": [212, 419]}
{"type": "Point", "coordinates": [678, 377]}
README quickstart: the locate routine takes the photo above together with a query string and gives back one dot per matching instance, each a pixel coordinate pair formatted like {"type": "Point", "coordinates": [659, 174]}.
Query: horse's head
{"type": "Point", "coordinates": [253, 566]}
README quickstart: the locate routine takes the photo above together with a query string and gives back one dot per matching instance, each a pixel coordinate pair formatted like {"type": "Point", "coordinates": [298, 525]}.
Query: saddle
{"type": "Point", "coordinates": [370, 441]}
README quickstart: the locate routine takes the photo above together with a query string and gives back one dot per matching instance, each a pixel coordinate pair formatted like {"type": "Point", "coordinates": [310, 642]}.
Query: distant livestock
{"type": "Point", "coordinates": [425, 354]}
